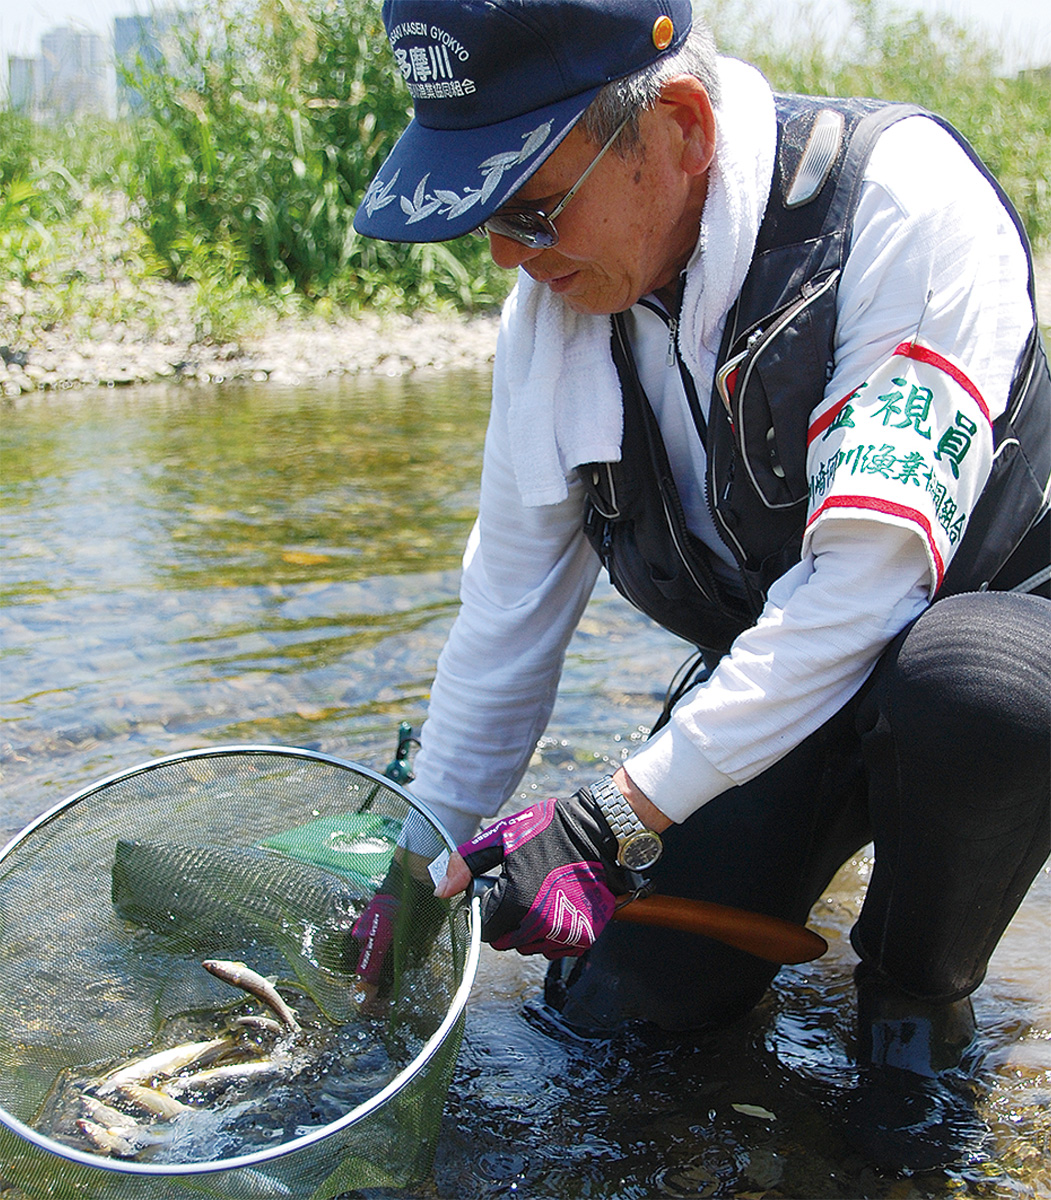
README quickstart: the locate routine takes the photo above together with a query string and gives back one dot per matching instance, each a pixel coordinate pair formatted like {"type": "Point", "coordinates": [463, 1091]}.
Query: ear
{"type": "Point", "coordinates": [689, 107]}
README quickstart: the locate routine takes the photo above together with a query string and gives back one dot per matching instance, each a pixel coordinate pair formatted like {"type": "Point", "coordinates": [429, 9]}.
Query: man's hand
{"type": "Point", "coordinates": [559, 877]}
{"type": "Point", "coordinates": [403, 903]}
{"type": "Point", "coordinates": [373, 932]}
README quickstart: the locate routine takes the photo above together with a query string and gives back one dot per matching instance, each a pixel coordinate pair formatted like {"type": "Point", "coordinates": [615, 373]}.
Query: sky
{"type": "Point", "coordinates": [1021, 27]}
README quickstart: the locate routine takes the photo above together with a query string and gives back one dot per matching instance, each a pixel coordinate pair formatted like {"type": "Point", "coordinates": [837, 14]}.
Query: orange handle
{"type": "Point", "coordinates": [771, 938]}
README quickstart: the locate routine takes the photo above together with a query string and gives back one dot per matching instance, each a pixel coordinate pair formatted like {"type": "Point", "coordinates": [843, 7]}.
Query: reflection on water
{"type": "Point", "coordinates": [184, 567]}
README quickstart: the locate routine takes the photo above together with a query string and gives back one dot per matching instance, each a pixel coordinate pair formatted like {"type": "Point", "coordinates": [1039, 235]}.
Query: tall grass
{"type": "Point", "coordinates": [255, 143]}
{"type": "Point", "coordinates": [257, 148]}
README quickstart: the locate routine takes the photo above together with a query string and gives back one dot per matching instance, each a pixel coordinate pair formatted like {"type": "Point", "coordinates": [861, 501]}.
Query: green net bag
{"type": "Point", "coordinates": [128, 1069]}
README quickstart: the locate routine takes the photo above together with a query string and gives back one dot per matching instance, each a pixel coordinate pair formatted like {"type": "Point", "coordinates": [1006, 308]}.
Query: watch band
{"type": "Point", "coordinates": [620, 816]}
{"type": "Point", "coordinates": [638, 847]}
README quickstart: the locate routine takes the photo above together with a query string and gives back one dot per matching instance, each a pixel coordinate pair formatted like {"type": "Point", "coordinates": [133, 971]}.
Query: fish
{"type": "Point", "coordinates": [108, 1138]}
{"type": "Point", "coordinates": [153, 1101]}
{"type": "Point", "coordinates": [201, 895]}
{"type": "Point", "coordinates": [254, 1021]}
{"type": "Point", "coordinates": [125, 1139]}
{"type": "Point", "coordinates": [106, 1115]}
{"type": "Point", "coordinates": [239, 975]}
{"type": "Point", "coordinates": [163, 1063]}
{"type": "Point", "coordinates": [228, 1073]}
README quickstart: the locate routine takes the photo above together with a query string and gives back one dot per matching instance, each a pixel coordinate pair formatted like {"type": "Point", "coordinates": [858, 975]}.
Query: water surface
{"type": "Point", "coordinates": [185, 567]}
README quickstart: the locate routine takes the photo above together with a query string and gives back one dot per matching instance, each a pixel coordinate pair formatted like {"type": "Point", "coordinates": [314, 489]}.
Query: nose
{"type": "Point", "coordinates": [509, 254]}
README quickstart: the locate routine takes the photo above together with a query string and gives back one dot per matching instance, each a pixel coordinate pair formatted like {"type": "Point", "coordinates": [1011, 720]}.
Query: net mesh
{"type": "Point", "coordinates": [264, 857]}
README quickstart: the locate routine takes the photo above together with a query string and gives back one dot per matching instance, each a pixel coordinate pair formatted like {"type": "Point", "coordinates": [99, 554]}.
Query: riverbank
{"type": "Point", "coordinates": [86, 305]}
{"type": "Point", "coordinates": [156, 336]}
{"type": "Point", "coordinates": [284, 350]}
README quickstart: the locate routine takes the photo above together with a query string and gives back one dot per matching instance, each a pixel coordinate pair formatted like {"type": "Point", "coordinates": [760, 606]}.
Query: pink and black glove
{"type": "Point", "coordinates": [400, 900]}
{"type": "Point", "coordinates": [558, 880]}
{"type": "Point", "coordinates": [374, 931]}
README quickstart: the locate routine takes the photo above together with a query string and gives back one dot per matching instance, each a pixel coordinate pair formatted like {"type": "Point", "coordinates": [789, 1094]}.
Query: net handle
{"type": "Point", "coordinates": [770, 938]}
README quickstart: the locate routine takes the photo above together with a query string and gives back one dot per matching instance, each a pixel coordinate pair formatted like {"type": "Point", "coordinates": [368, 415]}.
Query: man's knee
{"type": "Point", "coordinates": [676, 981]}
{"type": "Point", "coordinates": [964, 696]}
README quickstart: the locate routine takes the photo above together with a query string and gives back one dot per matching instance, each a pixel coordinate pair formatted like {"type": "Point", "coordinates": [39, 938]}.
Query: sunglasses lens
{"type": "Point", "coordinates": [532, 229]}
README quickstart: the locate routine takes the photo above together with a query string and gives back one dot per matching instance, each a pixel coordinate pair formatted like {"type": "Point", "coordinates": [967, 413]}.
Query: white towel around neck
{"type": "Point", "coordinates": [564, 404]}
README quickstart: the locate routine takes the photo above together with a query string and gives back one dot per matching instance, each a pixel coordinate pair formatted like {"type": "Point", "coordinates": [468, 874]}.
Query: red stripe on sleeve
{"type": "Point", "coordinates": [922, 354]}
{"type": "Point", "coordinates": [874, 504]}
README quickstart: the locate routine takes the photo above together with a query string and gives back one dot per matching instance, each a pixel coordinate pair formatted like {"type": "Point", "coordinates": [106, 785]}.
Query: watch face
{"type": "Point", "coordinates": [640, 851]}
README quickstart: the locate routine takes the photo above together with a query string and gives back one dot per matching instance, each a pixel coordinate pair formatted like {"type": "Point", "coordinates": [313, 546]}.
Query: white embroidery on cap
{"type": "Point", "coordinates": [429, 68]}
{"type": "Point", "coordinates": [423, 204]}
{"type": "Point", "coordinates": [379, 194]}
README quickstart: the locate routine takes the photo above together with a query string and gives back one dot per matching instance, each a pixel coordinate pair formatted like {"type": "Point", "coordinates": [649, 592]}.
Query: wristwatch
{"type": "Point", "coordinates": [638, 847]}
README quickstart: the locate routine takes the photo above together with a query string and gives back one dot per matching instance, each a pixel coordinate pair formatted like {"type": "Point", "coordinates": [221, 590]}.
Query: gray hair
{"type": "Point", "coordinates": [625, 99]}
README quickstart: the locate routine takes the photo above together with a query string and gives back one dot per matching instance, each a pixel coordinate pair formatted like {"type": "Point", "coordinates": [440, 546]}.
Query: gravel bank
{"type": "Point", "coordinates": [288, 351]}
{"type": "Point", "coordinates": [160, 340]}
{"type": "Point", "coordinates": [95, 315]}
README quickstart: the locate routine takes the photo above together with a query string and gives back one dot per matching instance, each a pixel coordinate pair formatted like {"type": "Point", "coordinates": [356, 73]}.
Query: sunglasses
{"type": "Point", "coordinates": [533, 227]}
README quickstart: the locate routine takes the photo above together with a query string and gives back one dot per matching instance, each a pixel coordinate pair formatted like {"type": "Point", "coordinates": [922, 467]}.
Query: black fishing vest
{"type": "Point", "coordinates": [773, 365]}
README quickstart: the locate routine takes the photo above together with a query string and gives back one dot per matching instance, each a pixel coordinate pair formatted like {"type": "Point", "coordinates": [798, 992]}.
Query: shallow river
{"type": "Point", "coordinates": [189, 567]}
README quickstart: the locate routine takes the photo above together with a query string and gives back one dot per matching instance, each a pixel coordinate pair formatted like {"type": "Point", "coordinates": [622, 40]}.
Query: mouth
{"type": "Point", "coordinates": [559, 283]}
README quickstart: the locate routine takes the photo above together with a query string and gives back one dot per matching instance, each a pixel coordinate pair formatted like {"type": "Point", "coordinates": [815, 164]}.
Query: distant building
{"type": "Point", "coordinates": [142, 44]}
{"type": "Point", "coordinates": [71, 74]}
{"type": "Point", "coordinates": [21, 85]}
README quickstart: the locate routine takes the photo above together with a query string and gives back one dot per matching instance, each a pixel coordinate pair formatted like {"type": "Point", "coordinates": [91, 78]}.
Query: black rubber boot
{"type": "Point", "coordinates": [905, 1032]}
{"type": "Point", "coordinates": [910, 1110]}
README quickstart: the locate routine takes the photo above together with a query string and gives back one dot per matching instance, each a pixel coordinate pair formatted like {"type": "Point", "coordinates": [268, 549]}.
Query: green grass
{"type": "Point", "coordinates": [894, 54]}
{"type": "Point", "coordinates": [242, 172]}
{"type": "Point", "coordinates": [259, 161]}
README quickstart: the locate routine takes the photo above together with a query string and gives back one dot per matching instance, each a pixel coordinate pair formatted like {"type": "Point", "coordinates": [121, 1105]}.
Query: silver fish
{"type": "Point", "coordinates": [228, 1073]}
{"type": "Point", "coordinates": [106, 1115]}
{"type": "Point", "coordinates": [108, 1139]}
{"type": "Point", "coordinates": [123, 1141]}
{"type": "Point", "coordinates": [238, 974]}
{"type": "Point", "coordinates": [153, 1101]}
{"type": "Point", "coordinates": [163, 1063]}
{"type": "Point", "coordinates": [264, 1024]}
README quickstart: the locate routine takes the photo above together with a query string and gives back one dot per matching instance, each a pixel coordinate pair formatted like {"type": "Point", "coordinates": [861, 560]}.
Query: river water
{"type": "Point", "coordinates": [184, 567]}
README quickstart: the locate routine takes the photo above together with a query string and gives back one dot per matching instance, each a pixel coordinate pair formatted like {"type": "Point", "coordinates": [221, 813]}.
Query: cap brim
{"type": "Point", "coordinates": [439, 184]}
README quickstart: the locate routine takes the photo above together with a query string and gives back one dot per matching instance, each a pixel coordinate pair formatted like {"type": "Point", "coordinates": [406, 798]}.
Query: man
{"type": "Point", "coordinates": [773, 363]}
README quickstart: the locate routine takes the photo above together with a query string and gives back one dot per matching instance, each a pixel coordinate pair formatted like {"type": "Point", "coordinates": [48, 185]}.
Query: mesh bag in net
{"type": "Point", "coordinates": [129, 1070]}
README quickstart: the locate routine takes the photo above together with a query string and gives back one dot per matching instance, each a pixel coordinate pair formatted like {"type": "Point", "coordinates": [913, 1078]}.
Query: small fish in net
{"type": "Point", "coordinates": [225, 1094]}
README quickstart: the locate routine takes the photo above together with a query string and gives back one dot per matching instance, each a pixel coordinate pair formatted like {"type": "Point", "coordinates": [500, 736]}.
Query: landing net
{"type": "Point", "coordinates": [129, 1070]}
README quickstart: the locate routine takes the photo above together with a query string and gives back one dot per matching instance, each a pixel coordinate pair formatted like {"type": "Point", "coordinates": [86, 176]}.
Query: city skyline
{"type": "Point", "coordinates": [24, 22]}
{"type": "Point", "coordinates": [1021, 28]}
{"type": "Point", "coordinates": [78, 72]}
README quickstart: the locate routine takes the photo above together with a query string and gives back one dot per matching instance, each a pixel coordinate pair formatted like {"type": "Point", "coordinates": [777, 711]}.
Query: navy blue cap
{"type": "Point", "coordinates": [496, 85]}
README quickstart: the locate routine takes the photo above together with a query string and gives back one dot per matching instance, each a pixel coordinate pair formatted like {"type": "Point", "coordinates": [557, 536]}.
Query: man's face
{"type": "Point", "coordinates": [627, 232]}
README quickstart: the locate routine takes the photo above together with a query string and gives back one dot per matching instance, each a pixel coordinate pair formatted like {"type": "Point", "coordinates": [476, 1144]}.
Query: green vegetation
{"type": "Point", "coordinates": [242, 169]}
{"type": "Point", "coordinates": [255, 167]}
{"type": "Point", "coordinates": [934, 62]}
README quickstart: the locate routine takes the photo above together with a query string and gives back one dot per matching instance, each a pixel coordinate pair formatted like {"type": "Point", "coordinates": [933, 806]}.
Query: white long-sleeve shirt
{"type": "Point", "coordinates": [932, 249]}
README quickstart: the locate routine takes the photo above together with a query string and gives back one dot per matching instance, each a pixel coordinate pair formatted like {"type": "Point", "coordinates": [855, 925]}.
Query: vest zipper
{"type": "Point", "coordinates": [689, 388]}
{"type": "Point", "coordinates": [711, 590]}
{"type": "Point", "coordinates": [675, 519]}
{"type": "Point", "coordinates": [722, 376]}
{"type": "Point", "coordinates": [762, 344]}
{"type": "Point", "coordinates": [673, 350]}
{"type": "Point", "coordinates": [673, 515]}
